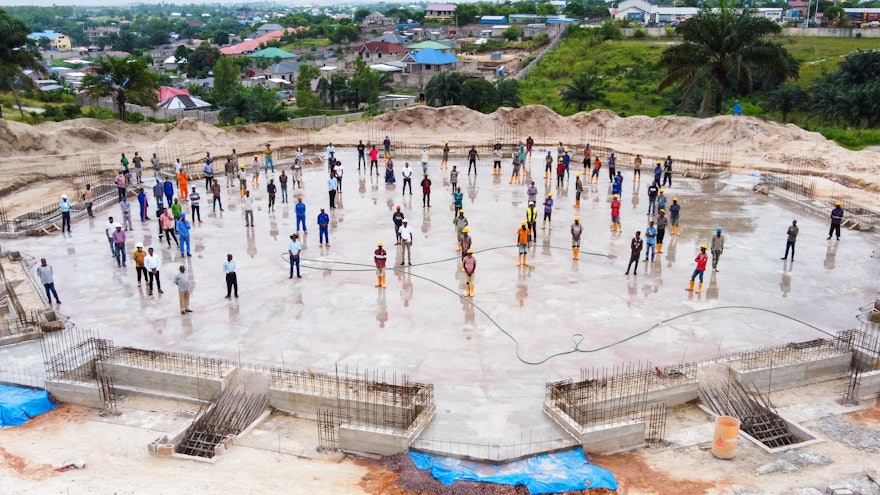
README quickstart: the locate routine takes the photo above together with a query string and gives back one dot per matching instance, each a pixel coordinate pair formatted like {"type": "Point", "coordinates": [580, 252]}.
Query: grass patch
{"type": "Point", "coordinates": [307, 43]}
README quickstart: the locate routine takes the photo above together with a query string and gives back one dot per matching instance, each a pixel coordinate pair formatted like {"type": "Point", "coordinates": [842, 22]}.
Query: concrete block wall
{"type": "Point", "coordinates": [869, 386]}
{"type": "Point", "coordinates": [154, 382]}
{"type": "Point", "coordinates": [383, 441]}
{"type": "Point", "coordinates": [83, 394]}
{"type": "Point", "coordinates": [307, 405]}
{"type": "Point", "coordinates": [615, 437]}
{"type": "Point", "coordinates": [793, 375]}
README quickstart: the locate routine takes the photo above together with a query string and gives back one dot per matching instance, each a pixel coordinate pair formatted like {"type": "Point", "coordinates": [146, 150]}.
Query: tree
{"type": "Point", "coordinates": [202, 59]}
{"type": "Point", "coordinates": [546, 8]}
{"type": "Point", "coordinates": [511, 33]}
{"type": "Point", "coordinates": [444, 89]}
{"type": "Point", "coordinates": [123, 79]}
{"type": "Point", "coordinates": [360, 15]}
{"type": "Point", "coordinates": [575, 10]}
{"type": "Point", "coordinates": [182, 52]}
{"type": "Point", "coordinates": [365, 82]}
{"type": "Point", "coordinates": [465, 14]}
{"type": "Point", "coordinates": [719, 46]}
{"type": "Point", "coordinates": [227, 79]}
{"type": "Point", "coordinates": [479, 94]}
{"type": "Point", "coordinates": [306, 99]}
{"type": "Point", "coordinates": [507, 93]}
{"type": "Point", "coordinates": [833, 15]}
{"type": "Point", "coordinates": [16, 54]}
{"type": "Point", "coordinates": [785, 98]}
{"type": "Point", "coordinates": [583, 90]}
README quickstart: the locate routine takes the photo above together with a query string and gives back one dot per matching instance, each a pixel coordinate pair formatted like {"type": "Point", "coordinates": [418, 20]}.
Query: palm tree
{"type": "Point", "coordinates": [507, 93]}
{"type": "Point", "coordinates": [123, 78]}
{"type": "Point", "coordinates": [583, 90]}
{"type": "Point", "coordinates": [785, 98]}
{"type": "Point", "coordinates": [444, 89]}
{"type": "Point", "coordinates": [719, 46]}
{"type": "Point", "coordinates": [17, 53]}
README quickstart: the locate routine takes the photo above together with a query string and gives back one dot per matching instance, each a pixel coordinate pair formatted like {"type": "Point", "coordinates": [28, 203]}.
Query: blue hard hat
{"type": "Point", "coordinates": [548, 152]}
{"type": "Point", "coordinates": [718, 230]}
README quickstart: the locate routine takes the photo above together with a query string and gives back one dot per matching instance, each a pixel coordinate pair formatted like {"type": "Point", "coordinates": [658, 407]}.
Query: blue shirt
{"type": "Point", "coordinates": [183, 228]}
{"type": "Point", "coordinates": [64, 205]}
{"type": "Point", "coordinates": [332, 184]}
{"type": "Point", "coordinates": [300, 209]}
{"type": "Point", "coordinates": [169, 188]}
{"type": "Point", "coordinates": [651, 235]}
{"type": "Point", "coordinates": [323, 220]}
{"type": "Point", "coordinates": [617, 187]}
{"type": "Point", "coordinates": [661, 201]}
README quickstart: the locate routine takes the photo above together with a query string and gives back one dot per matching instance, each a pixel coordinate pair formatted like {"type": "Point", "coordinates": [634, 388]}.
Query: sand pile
{"type": "Point", "coordinates": [53, 151]}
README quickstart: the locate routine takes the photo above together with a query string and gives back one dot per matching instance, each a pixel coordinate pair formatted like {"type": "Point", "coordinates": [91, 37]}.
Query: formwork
{"type": "Point", "coordinates": [794, 364]}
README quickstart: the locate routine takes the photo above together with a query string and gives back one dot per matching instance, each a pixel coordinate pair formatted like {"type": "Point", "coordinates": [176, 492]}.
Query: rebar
{"type": "Point", "coordinates": [753, 409]}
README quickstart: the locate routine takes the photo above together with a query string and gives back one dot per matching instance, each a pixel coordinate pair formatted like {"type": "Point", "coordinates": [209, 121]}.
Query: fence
{"type": "Point", "coordinates": [207, 116]}
{"type": "Point", "coordinates": [320, 121]}
{"type": "Point", "coordinates": [540, 56]}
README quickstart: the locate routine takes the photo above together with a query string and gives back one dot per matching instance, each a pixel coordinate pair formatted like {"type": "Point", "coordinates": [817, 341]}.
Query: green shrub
{"type": "Point", "coordinates": [639, 33]}
{"type": "Point", "coordinates": [71, 110]}
{"type": "Point", "coordinates": [134, 117]}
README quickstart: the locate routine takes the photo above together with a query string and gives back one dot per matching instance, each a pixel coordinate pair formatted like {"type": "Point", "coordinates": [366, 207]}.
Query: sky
{"type": "Point", "coordinates": [123, 3]}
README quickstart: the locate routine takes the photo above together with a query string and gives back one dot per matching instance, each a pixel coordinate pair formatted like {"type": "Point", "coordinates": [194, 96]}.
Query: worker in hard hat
{"type": "Point", "coordinates": [836, 220]}
{"type": "Point", "coordinates": [469, 265]}
{"type": "Point", "coordinates": [460, 223]}
{"type": "Point", "coordinates": [379, 258]}
{"type": "Point", "coordinates": [445, 162]}
{"type": "Point", "coordinates": [658, 171]}
{"type": "Point", "coordinates": [255, 172]}
{"type": "Point", "coordinates": [637, 167]}
{"type": "Point", "coordinates": [466, 241]}
{"type": "Point", "coordinates": [560, 172]}
{"type": "Point", "coordinates": [701, 261]}
{"type": "Point", "coordinates": [667, 171]}
{"type": "Point", "coordinates": [522, 243]}
{"type": "Point", "coordinates": [578, 190]}
{"type": "Point", "coordinates": [532, 220]}
{"type": "Point", "coordinates": [662, 222]}
{"type": "Point", "coordinates": [548, 164]}
{"type": "Point", "coordinates": [566, 160]}
{"type": "Point", "coordinates": [548, 211]}
{"type": "Point", "coordinates": [717, 248]}
{"type": "Point", "coordinates": [497, 155]}
{"type": "Point", "coordinates": [674, 213]}
{"type": "Point", "coordinates": [661, 200]}
{"type": "Point", "coordinates": [517, 163]}
{"type": "Point", "coordinates": [576, 230]}
{"type": "Point", "coordinates": [615, 215]}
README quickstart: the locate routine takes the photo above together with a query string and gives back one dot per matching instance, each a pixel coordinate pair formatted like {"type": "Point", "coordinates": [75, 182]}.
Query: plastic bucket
{"type": "Point", "coordinates": [726, 433]}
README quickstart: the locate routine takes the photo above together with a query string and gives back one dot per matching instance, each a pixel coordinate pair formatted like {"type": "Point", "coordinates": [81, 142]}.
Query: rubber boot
{"type": "Point", "coordinates": [471, 292]}
{"type": "Point", "coordinates": [550, 224]}
{"type": "Point", "coordinates": [383, 282]}
{"type": "Point", "coordinates": [378, 281]}
{"type": "Point", "coordinates": [544, 225]}
{"type": "Point", "coordinates": [525, 263]}
{"type": "Point", "coordinates": [577, 203]}
{"type": "Point", "coordinates": [519, 260]}
{"type": "Point", "coordinates": [659, 247]}
{"type": "Point", "coordinates": [691, 286]}
{"type": "Point", "coordinates": [459, 247]}
{"type": "Point", "coordinates": [613, 226]}
{"type": "Point", "coordinates": [462, 266]}
{"type": "Point", "coordinates": [574, 254]}
{"type": "Point", "coordinates": [699, 288]}
{"type": "Point", "coordinates": [546, 174]}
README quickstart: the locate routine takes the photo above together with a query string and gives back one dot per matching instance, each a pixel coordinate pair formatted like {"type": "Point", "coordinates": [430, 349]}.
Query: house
{"type": "Point", "coordinates": [195, 23]}
{"type": "Point", "coordinates": [646, 12]}
{"type": "Point", "coordinates": [801, 7]}
{"type": "Point", "coordinates": [268, 28]}
{"type": "Point", "coordinates": [285, 70]}
{"type": "Point", "coordinates": [172, 64]}
{"type": "Point", "coordinates": [532, 30]}
{"type": "Point", "coordinates": [95, 32]}
{"type": "Point", "coordinates": [440, 11]}
{"type": "Point", "coordinates": [380, 51]}
{"type": "Point", "coordinates": [773, 13]}
{"type": "Point", "coordinates": [664, 15]}
{"type": "Point", "coordinates": [634, 10]}
{"type": "Point", "coordinates": [493, 19]}
{"type": "Point", "coordinates": [51, 40]}
{"type": "Point", "coordinates": [252, 45]}
{"type": "Point", "coordinates": [377, 19]}
{"type": "Point", "coordinates": [429, 61]}
{"type": "Point", "coordinates": [393, 38]}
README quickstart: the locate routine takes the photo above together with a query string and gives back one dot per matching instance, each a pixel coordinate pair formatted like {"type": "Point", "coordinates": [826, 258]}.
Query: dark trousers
{"type": "Point", "coordinates": [142, 271]}
{"type": "Point", "coordinates": [231, 282]}
{"type": "Point", "coordinates": [196, 213]}
{"type": "Point", "coordinates": [667, 177]}
{"type": "Point", "coordinates": [633, 259]}
{"type": "Point", "coordinates": [65, 220]}
{"type": "Point", "coordinates": [155, 276]}
{"type": "Point", "coordinates": [120, 192]}
{"type": "Point", "coordinates": [426, 197]}
{"type": "Point", "coordinates": [374, 163]}
{"type": "Point", "coordinates": [835, 228]}
{"type": "Point", "coordinates": [51, 288]}
{"type": "Point", "coordinates": [271, 201]}
{"type": "Point", "coordinates": [218, 201]}
{"type": "Point", "coordinates": [169, 234]}
{"type": "Point", "coordinates": [407, 181]}
{"type": "Point", "coordinates": [362, 159]}
{"type": "Point", "coordinates": [294, 260]}
{"type": "Point", "coordinates": [208, 181]}
{"type": "Point", "coordinates": [333, 199]}
{"type": "Point", "coordinates": [789, 244]}
{"type": "Point", "coordinates": [323, 234]}
{"type": "Point", "coordinates": [472, 163]}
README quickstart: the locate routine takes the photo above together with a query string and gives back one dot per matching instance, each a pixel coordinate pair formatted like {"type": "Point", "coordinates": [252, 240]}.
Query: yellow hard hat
{"type": "Point", "coordinates": [675, 198]}
{"type": "Point", "coordinates": [380, 244]}
{"type": "Point", "coordinates": [704, 247]}
{"type": "Point", "coordinates": [470, 251]}
{"type": "Point", "coordinates": [839, 203]}
{"type": "Point", "coordinates": [638, 154]}
{"type": "Point", "coordinates": [255, 157]}
{"type": "Point", "coordinates": [616, 196]}
{"type": "Point", "coordinates": [445, 142]}
{"type": "Point", "coordinates": [461, 211]}
{"type": "Point", "coordinates": [577, 175]}
{"type": "Point", "coordinates": [662, 210]}
{"type": "Point", "coordinates": [659, 163]}
{"type": "Point", "coordinates": [523, 224]}
{"type": "Point", "coordinates": [465, 230]}
{"type": "Point", "coordinates": [549, 195]}
{"type": "Point", "coordinates": [661, 190]}
{"type": "Point", "coordinates": [577, 219]}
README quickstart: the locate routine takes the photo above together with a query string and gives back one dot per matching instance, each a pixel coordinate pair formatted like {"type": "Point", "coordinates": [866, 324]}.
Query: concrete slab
{"type": "Point", "coordinates": [488, 389]}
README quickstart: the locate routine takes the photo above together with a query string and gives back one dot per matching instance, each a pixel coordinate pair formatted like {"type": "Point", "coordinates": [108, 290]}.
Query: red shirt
{"type": "Point", "coordinates": [374, 154]}
{"type": "Point", "coordinates": [615, 207]}
{"type": "Point", "coordinates": [701, 260]}
{"type": "Point", "coordinates": [560, 168]}
{"type": "Point", "coordinates": [379, 257]}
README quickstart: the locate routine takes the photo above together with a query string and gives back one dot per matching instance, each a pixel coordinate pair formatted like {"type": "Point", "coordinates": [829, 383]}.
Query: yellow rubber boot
{"type": "Point", "coordinates": [699, 288]}
{"type": "Point", "coordinates": [577, 203]}
{"type": "Point", "coordinates": [574, 254]}
{"type": "Point", "coordinates": [690, 287]}
{"type": "Point", "coordinates": [519, 260]}
{"type": "Point", "coordinates": [383, 282]}
{"type": "Point", "coordinates": [459, 247]}
{"type": "Point", "coordinates": [471, 292]}
{"type": "Point", "coordinates": [525, 263]}
{"type": "Point", "coordinates": [613, 226]}
{"type": "Point", "coordinates": [660, 247]}
{"type": "Point", "coordinates": [378, 282]}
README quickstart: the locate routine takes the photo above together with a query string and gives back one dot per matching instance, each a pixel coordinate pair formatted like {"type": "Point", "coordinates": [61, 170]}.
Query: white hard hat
{"type": "Point", "coordinates": [63, 196]}
{"type": "Point", "coordinates": [117, 225]}
{"type": "Point", "coordinates": [139, 245]}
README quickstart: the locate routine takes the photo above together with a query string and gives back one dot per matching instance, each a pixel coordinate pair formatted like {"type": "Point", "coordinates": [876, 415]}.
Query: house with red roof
{"type": "Point", "coordinates": [380, 51]}
{"type": "Point", "coordinates": [252, 45]}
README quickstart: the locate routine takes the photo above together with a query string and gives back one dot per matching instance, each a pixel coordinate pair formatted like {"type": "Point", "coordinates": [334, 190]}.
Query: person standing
{"type": "Point", "coordinates": [379, 258]}
{"type": "Point", "coordinates": [47, 278]}
{"type": "Point", "coordinates": [231, 279]}
{"type": "Point", "coordinates": [548, 164]}
{"type": "Point", "coordinates": [560, 172]}
{"type": "Point", "coordinates": [597, 166]}
{"type": "Point", "coordinates": [522, 244]}
{"type": "Point", "coordinates": [332, 186]}
{"type": "Point", "coordinates": [119, 244]}
{"type": "Point", "coordinates": [635, 251]}
{"type": "Point", "coordinates": [194, 205]}
{"type": "Point", "coordinates": [457, 199]}
{"type": "Point", "coordinates": [792, 238]}
{"type": "Point", "coordinates": [473, 156]}
{"type": "Point", "coordinates": [397, 219]}
{"type": "Point", "coordinates": [661, 200]}
{"type": "Point", "coordinates": [120, 186]}
{"type": "Point", "coordinates": [453, 178]}
{"type": "Point", "coordinates": [658, 171]}
{"type": "Point", "coordinates": [674, 213]}
{"type": "Point", "coordinates": [300, 211]}
{"type": "Point", "coordinates": [406, 239]}
{"type": "Point", "coordinates": [282, 181]}
{"type": "Point", "coordinates": [167, 221]}
{"type": "Point", "coordinates": [389, 171]}
{"type": "Point", "coordinates": [460, 223]}
{"type": "Point", "coordinates": [576, 230]}
{"type": "Point", "coordinates": [176, 209]}
{"type": "Point", "coordinates": [153, 263]}
{"type": "Point", "coordinates": [836, 220]}
{"type": "Point", "coordinates": [248, 209]}
{"type": "Point", "coordinates": [293, 250]}
{"type": "Point", "coordinates": [426, 191]}
{"type": "Point", "coordinates": [667, 171]}
{"type": "Point", "coordinates": [183, 184]}
{"type": "Point", "coordinates": [158, 192]}
{"type": "Point", "coordinates": [242, 181]}
{"type": "Point", "coordinates": [532, 193]}
{"type": "Point", "coordinates": [717, 248]}
{"type": "Point", "coordinates": [183, 227]}
{"type": "Point", "coordinates": [387, 144]}
{"type": "Point", "coordinates": [445, 162]}
{"type": "Point", "coordinates": [578, 190]}
{"type": "Point", "coordinates": [530, 143]}
{"type": "Point", "coordinates": [374, 160]}
{"type": "Point", "coordinates": [637, 167]}
{"type": "Point", "coordinates": [215, 192]}
{"type": "Point", "coordinates": [143, 204]}
{"type": "Point", "coordinates": [138, 256]}
{"type": "Point", "coordinates": [183, 289]}
{"type": "Point", "coordinates": [89, 198]}
{"type": "Point", "coordinates": [548, 211]}
{"type": "Point", "coordinates": [255, 172]}
{"type": "Point", "coordinates": [470, 266]}
{"type": "Point", "coordinates": [209, 171]}
{"type": "Point", "coordinates": [361, 157]}
{"type": "Point", "coordinates": [662, 222]}
{"type": "Point", "coordinates": [406, 173]}
{"type": "Point", "coordinates": [497, 155]}
{"type": "Point", "coordinates": [653, 192]}
{"type": "Point", "coordinates": [64, 207]}
{"type": "Point", "coordinates": [588, 152]}
{"type": "Point", "coordinates": [123, 162]}
{"type": "Point", "coordinates": [168, 189]}
{"type": "Point", "coordinates": [701, 261]}
{"type": "Point", "coordinates": [125, 206]}
{"type": "Point", "coordinates": [615, 214]}
{"type": "Point", "coordinates": [269, 161]}
{"type": "Point", "coordinates": [424, 159]}
{"type": "Point", "coordinates": [617, 185]}
{"type": "Point", "coordinates": [514, 174]}
{"type": "Point", "coordinates": [650, 241]}
{"type": "Point", "coordinates": [323, 228]}
{"type": "Point", "coordinates": [229, 169]}
{"type": "Point", "coordinates": [154, 161]}
{"type": "Point", "coordinates": [466, 241]}
{"type": "Point", "coordinates": [271, 189]}
{"type": "Point", "coordinates": [109, 227]}
{"type": "Point", "coordinates": [612, 167]}
{"type": "Point", "coordinates": [532, 221]}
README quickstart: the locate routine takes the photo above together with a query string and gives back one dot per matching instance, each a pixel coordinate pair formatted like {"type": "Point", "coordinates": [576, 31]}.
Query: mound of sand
{"type": "Point", "coordinates": [756, 144]}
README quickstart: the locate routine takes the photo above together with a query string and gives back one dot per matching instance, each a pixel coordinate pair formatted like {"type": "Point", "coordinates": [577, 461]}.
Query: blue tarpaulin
{"type": "Point", "coordinates": [547, 473]}
{"type": "Point", "coordinates": [19, 404]}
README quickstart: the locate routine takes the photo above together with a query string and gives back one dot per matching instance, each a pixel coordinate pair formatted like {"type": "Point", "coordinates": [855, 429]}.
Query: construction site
{"type": "Point", "coordinates": [331, 379]}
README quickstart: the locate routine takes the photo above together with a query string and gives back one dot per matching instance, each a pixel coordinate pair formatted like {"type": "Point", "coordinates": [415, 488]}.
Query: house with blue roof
{"type": "Point", "coordinates": [429, 61]}
{"type": "Point", "coordinates": [51, 40]}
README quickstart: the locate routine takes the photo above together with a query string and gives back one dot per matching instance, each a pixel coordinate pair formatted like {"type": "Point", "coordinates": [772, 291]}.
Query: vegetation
{"type": "Point", "coordinates": [583, 90]}
{"type": "Point", "coordinates": [15, 55]}
{"type": "Point", "coordinates": [124, 79]}
{"type": "Point", "coordinates": [455, 88]}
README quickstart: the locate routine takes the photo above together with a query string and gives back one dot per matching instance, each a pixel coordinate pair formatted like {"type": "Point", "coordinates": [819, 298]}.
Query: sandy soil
{"type": "Point", "coordinates": [51, 154]}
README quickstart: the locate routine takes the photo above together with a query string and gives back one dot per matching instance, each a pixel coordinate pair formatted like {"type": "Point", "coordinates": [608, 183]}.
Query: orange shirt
{"type": "Point", "coordinates": [522, 235]}
{"type": "Point", "coordinates": [597, 163]}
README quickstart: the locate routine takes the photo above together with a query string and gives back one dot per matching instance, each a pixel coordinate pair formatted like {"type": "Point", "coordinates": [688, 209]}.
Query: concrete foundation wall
{"type": "Point", "coordinates": [307, 405]}
{"type": "Point", "coordinates": [671, 396]}
{"type": "Point", "coordinates": [869, 386]}
{"type": "Point", "coordinates": [154, 382]}
{"type": "Point", "coordinates": [79, 393]}
{"type": "Point", "coordinates": [797, 374]}
{"type": "Point", "coordinates": [383, 441]}
{"type": "Point", "coordinates": [615, 437]}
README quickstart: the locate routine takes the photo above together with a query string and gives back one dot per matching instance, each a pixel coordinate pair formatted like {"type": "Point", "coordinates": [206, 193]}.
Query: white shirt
{"type": "Point", "coordinates": [406, 173]}
{"type": "Point", "coordinates": [424, 156]}
{"type": "Point", "coordinates": [248, 203]}
{"type": "Point", "coordinates": [109, 228]}
{"type": "Point", "coordinates": [177, 167]}
{"type": "Point", "coordinates": [152, 261]}
{"type": "Point", "coordinates": [338, 170]}
{"type": "Point", "coordinates": [294, 247]}
{"type": "Point", "coordinates": [229, 266]}
{"type": "Point", "coordinates": [406, 233]}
